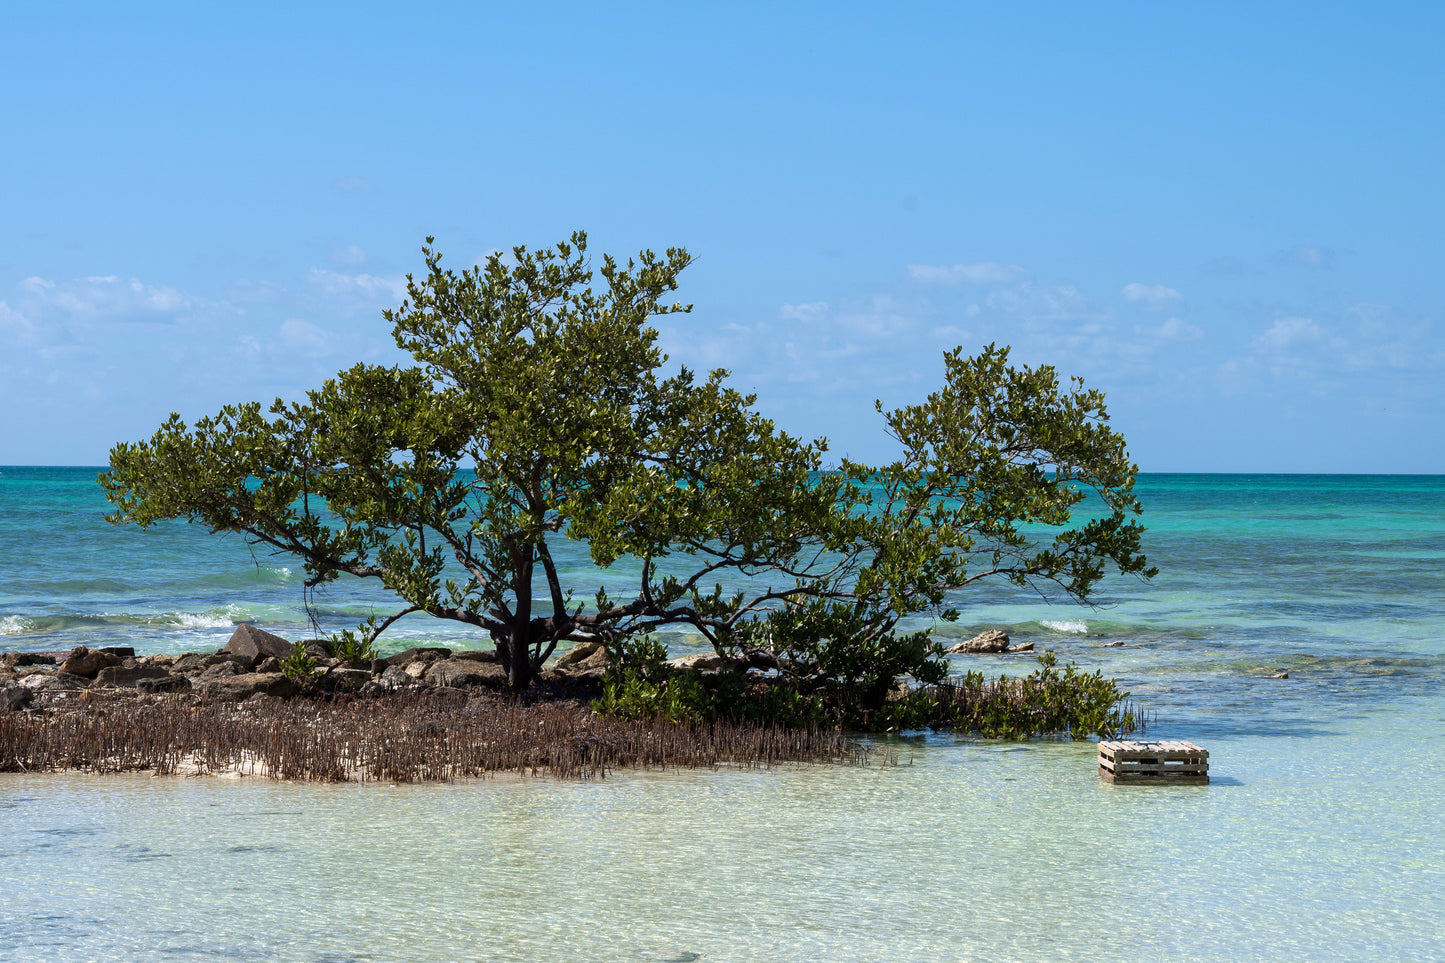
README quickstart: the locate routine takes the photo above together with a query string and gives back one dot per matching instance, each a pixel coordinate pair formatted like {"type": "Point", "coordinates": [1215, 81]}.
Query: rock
{"type": "Point", "coordinates": [238, 687]}
{"type": "Point", "coordinates": [190, 663]}
{"type": "Point", "coordinates": [448, 694]}
{"type": "Point", "coordinates": [421, 653]}
{"type": "Point", "coordinates": [345, 679]}
{"type": "Point", "coordinates": [257, 644]}
{"type": "Point", "coordinates": [15, 697]}
{"type": "Point", "coordinates": [1022, 647]}
{"type": "Point", "coordinates": [223, 670]}
{"type": "Point", "coordinates": [396, 676]}
{"type": "Point", "coordinates": [706, 661]}
{"type": "Point", "coordinates": [427, 730]}
{"type": "Point", "coordinates": [459, 673]}
{"type": "Point", "coordinates": [119, 651]}
{"type": "Point", "coordinates": [476, 655]}
{"type": "Point", "coordinates": [578, 653]}
{"type": "Point", "coordinates": [129, 675]}
{"type": "Point", "coordinates": [87, 662]}
{"type": "Point", "coordinates": [51, 682]}
{"type": "Point", "coordinates": [1114, 645]}
{"type": "Point", "coordinates": [416, 670]}
{"type": "Point", "coordinates": [167, 683]}
{"type": "Point", "coordinates": [991, 640]}
{"type": "Point", "coordinates": [163, 660]}
{"type": "Point", "coordinates": [1280, 675]}
{"type": "Point", "coordinates": [14, 660]}
{"type": "Point", "coordinates": [316, 648]}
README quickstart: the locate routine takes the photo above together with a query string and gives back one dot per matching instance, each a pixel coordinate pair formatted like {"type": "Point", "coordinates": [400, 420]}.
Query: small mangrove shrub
{"type": "Point", "coordinates": [1061, 702]}
{"type": "Point", "coordinates": [299, 666]}
{"type": "Point", "coordinates": [1055, 701]}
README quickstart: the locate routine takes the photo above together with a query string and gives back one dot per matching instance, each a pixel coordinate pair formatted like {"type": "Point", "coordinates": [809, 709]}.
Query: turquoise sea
{"type": "Point", "coordinates": [1320, 837]}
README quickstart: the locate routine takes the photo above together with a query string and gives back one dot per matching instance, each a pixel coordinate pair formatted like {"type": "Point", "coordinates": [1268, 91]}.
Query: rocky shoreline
{"type": "Point", "coordinates": [250, 665]}
{"type": "Point", "coordinates": [429, 713]}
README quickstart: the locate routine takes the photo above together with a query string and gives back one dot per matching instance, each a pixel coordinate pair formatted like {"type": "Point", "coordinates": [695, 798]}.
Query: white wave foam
{"type": "Point", "coordinates": [14, 625]}
{"type": "Point", "coordinates": [1071, 626]}
{"type": "Point", "coordinates": [214, 619]}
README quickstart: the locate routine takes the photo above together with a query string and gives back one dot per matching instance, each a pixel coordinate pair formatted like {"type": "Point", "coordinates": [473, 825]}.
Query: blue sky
{"type": "Point", "coordinates": [1228, 217]}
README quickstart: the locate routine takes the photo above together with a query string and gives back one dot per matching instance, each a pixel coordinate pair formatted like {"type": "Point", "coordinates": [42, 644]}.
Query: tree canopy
{"type": "Point", "coordinates": [538, 409]}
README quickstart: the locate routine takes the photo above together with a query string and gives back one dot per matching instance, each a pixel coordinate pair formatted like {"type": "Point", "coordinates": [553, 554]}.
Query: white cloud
{"type": "Point", "coordinates": [361, 290]}
{"type": "Point", "coordinates": [1154, 295]}
{"type": "Point", "coordinates": [305, 337]}
{"type": "Point", "coordinates": [1172, 330]}
{"type": "Point", "coordinates": [983, 272]}
{"type": "Point", "coordinates": [1289, 333]}
{"type": "Point", "coordinates": [350, 255]}
{"type": "Point", "coordinates": [808, 312]}
{"type": "Point", "coordinates": [107, 298]}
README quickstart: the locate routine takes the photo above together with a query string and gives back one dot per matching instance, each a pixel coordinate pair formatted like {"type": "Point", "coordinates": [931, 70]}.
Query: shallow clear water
{"type": "Point", "coordinates": [1304, 848]}
{"type": "Point", "coordinates": [1319, 838]}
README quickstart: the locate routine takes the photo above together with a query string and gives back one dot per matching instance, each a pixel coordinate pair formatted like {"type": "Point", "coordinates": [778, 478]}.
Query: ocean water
{"type": "Point", "coordinates": [1318, 839]}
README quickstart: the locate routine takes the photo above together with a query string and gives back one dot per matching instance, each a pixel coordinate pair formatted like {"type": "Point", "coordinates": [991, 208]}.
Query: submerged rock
{"type": "Point", "coordinates": [992, 640]}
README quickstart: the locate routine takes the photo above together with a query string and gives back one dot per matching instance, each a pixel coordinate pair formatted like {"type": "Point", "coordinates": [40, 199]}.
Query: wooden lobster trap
{"type": "Point", "coordinates": [1154, 763]}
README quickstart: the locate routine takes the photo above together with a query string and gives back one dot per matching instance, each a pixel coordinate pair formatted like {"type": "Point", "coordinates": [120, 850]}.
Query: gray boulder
{"type": "Point", "coordinates": [992, 640]}
{"type": "Point", "coordinates": [15, 660]}
{"type": "Point", "coordinates": [129, 675]}
{"type": "Point", "coordinates": [257, 644]}
{"type": "Point", "coordinates": [460, 673]}
{"type": "Point", "coordinates": [237, 687]}
{"type": "Point", "coordinates": [168, 683]}
{"type": "Point", "coordinates": [223, 670]}
{"type": "Point", "coordinates": [396, 677]}
{"type": "Point", "coordinates": [578, 654]}
{"type": "Point", "coordinates": [476, 655]}
{"type": "Point", "coordinates": [345, 679]}
{"type": "Point", "coordinates": [14, 697]}
{"type": "Point", "coordinates": [421, 653]}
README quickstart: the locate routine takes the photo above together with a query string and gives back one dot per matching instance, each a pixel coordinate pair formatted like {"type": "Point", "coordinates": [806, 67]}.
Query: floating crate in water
{"type": "Point", "coordinates": [1156, 763]}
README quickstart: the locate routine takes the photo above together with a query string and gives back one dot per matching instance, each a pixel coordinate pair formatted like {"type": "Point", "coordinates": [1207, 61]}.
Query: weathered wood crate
{"type": "Point", "coordinates": [1154, 763]}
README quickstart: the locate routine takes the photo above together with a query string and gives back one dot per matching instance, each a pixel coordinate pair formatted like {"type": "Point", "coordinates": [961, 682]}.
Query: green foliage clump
{"type": "Point", "coordinates": [1051, 701]}
{"type": "Point", "coordinates": [355, 646]}
{"type": "Point", "coordinates": [299, 666]}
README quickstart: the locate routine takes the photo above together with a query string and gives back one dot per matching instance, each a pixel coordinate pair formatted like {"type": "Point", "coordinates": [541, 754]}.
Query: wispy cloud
{"type": "Point", "coordinates": [982, 272]}
{"type": "Point", "coordinates": [108, 298]}
{"type": "Point", "coordinates": [1288, 334]}
{"type": "Point", "coordinates": [1153, 295]}
{"type": "Point", "coordinates": [1172, 330]}
{"type": "Point", "coordinates": [356, 292]}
